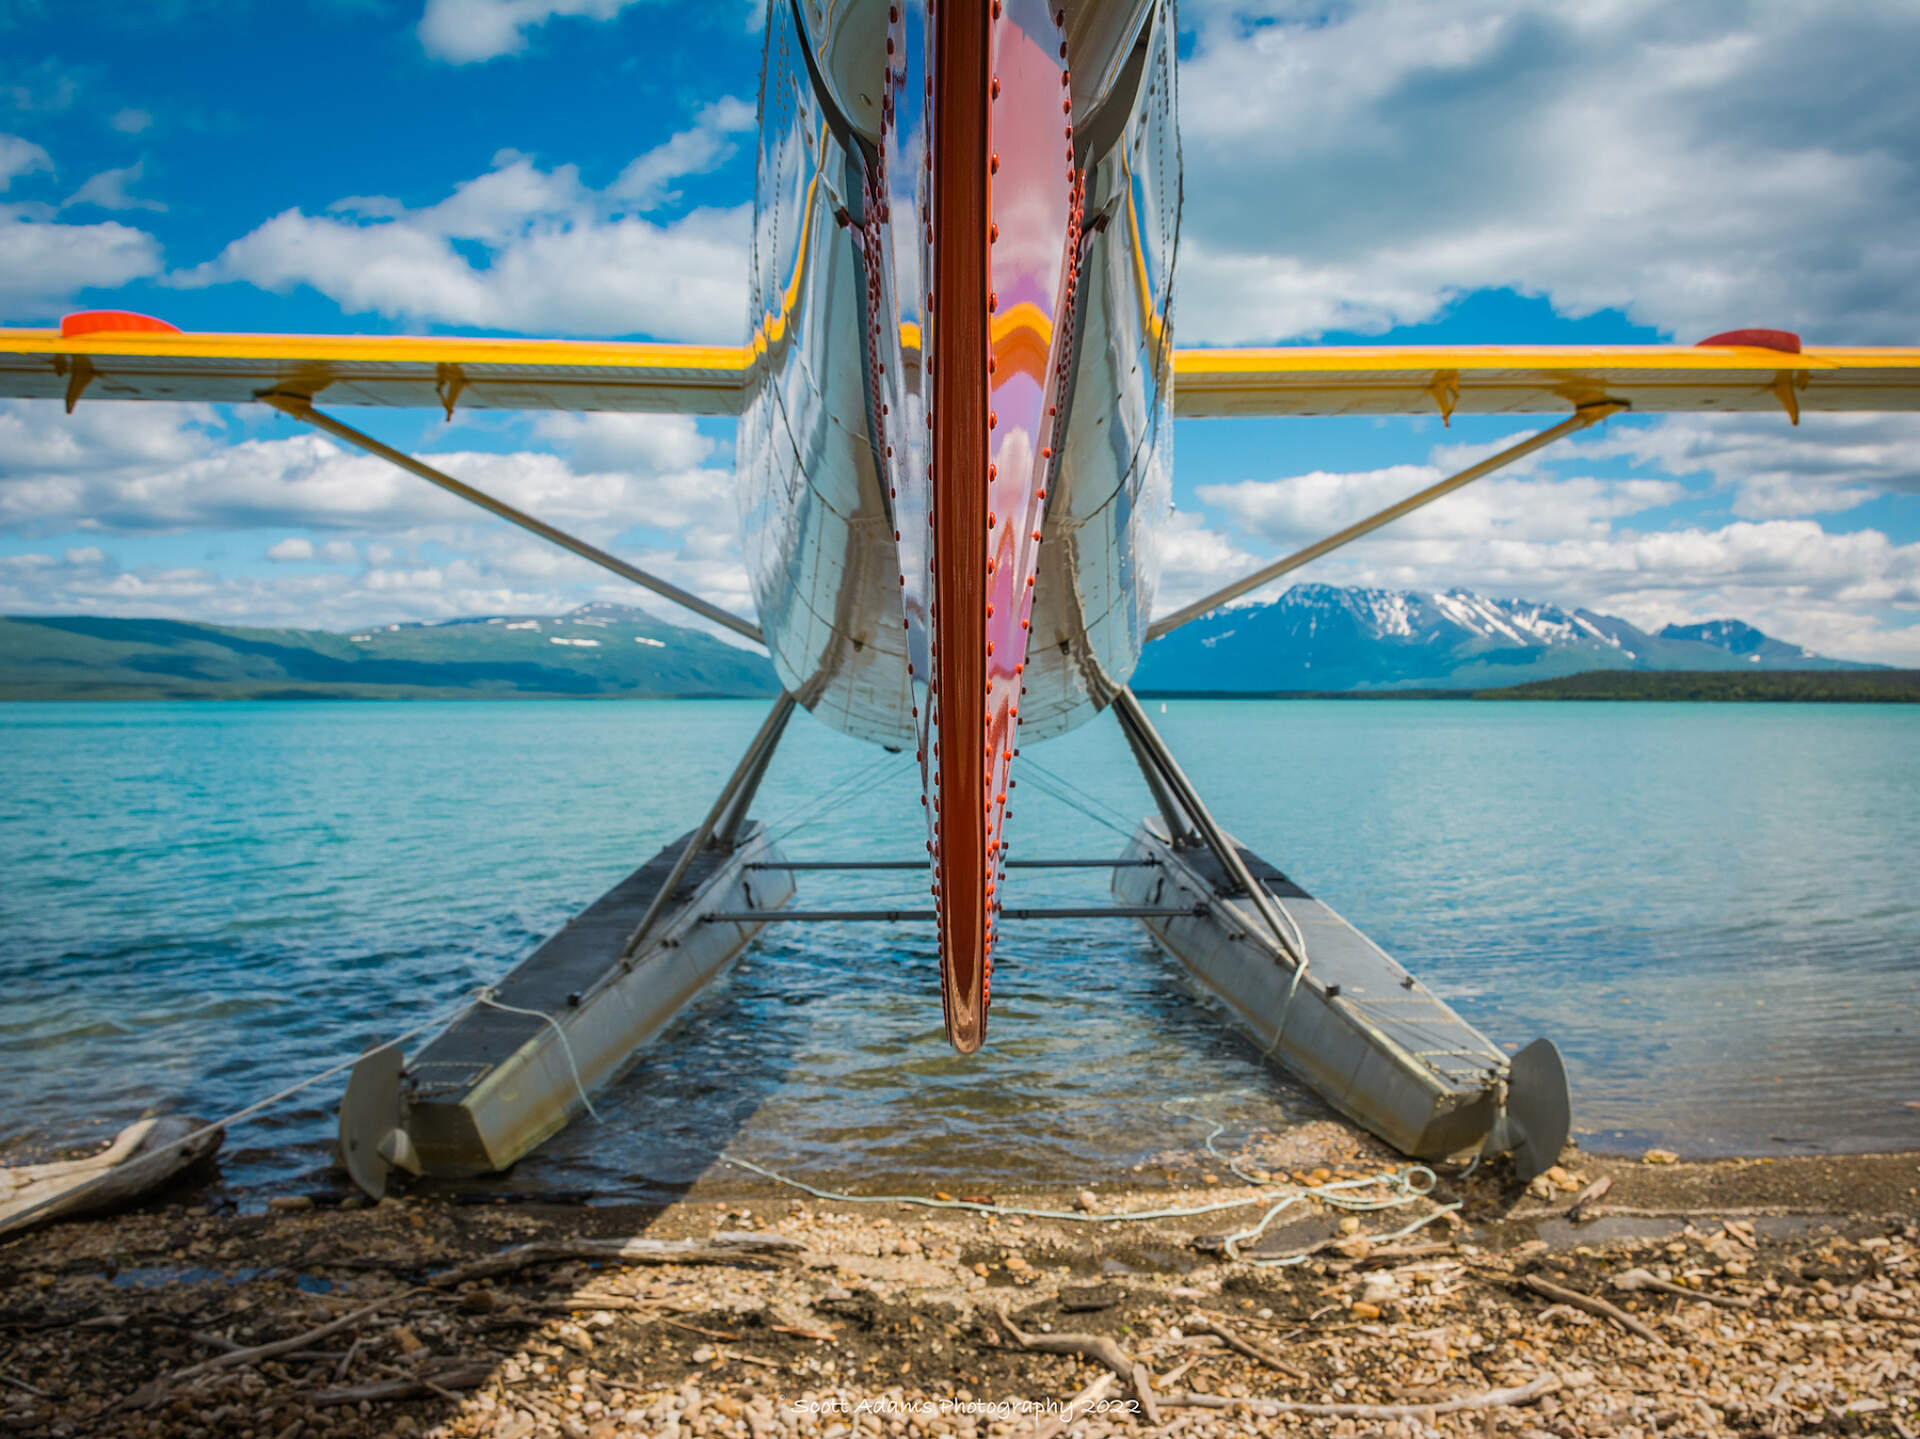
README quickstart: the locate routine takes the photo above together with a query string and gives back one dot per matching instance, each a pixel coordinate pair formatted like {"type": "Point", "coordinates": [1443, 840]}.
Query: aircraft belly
{"type": "Point", "coordinates": [818, 524]}
{"type": "Point", "coordinates": [816, 530]}
{"type": "Point", "coordinates": [1099, 565]}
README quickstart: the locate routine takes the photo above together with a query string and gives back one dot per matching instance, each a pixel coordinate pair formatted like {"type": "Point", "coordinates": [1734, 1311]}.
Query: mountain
{"type": "Point", "coordinates": [1323, 637]}
{"type": "Point", "coordinates": [596, 650]}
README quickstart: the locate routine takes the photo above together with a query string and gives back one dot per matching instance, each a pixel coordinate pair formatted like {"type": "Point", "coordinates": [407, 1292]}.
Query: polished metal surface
{"type": "Point", "coordinates": [956, 428]}
{"type": "Point", "coordinates": [838, 314]}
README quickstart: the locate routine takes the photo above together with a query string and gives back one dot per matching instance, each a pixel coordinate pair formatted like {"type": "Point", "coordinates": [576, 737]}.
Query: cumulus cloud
{"type": "Point", "coordinates": [557, 255]}
{"type": "Point", "coordinates": [1771, 471]}
{"type": "Point", "coordinates": [20, 157]}
{"type": "Point", "coordinates": [465, 31]}
{"type": "Point", "coordinates": [110, 190]}
{"type": "Point", "coordinates": [131, 121]}
{"type": "Point", "coordinates": [1697, 167]}
{"type": "Point", "coordinates": [1195, 560]}
{"type": "Point", "coordinates": [403, 549]}
{"type": "Point", "coordinates": [43, 264]}
{"type": "Point", "coordinates": [1572, 540]}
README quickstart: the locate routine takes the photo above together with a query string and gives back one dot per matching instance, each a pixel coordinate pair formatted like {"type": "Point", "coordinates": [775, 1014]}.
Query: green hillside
{"type": "Point", "coordinates": [1739, 686]}
{"type": "Point", "coordinates": [599, 650]}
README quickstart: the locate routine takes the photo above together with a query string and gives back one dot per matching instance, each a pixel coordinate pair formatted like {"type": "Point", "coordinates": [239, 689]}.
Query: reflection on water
{"type": "Point", "coordinates": [1711, 908]}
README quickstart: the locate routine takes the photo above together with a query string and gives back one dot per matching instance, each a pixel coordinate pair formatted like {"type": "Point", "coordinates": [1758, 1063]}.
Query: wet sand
{"type": "Point", "coordinates": [1797, 1310]}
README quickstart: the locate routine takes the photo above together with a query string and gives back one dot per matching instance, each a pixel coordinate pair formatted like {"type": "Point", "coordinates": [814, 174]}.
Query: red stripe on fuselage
{"type": "Point", "coordinates": [957, 397]}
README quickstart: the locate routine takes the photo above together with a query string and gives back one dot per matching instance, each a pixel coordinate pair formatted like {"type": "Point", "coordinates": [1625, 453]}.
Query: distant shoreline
{"type": "Point", "coordinates": [1684, 687]}
{"type": "Point", "coordinates": [1670, 686]}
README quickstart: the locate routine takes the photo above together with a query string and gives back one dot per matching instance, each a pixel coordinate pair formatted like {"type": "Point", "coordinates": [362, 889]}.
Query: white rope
{"type": "Point", "coordinates": [486, 997]}
{"type": "Point", "coordinates": [1402, 1186]}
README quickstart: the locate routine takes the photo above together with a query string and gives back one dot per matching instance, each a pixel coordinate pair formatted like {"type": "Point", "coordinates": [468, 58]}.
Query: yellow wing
{"type": "Point", "coordinates": [1521, 379]}
{"type": "Point", "coordinates": [92, 359]}
{"type": "Point", "coordinates": [100, 362]}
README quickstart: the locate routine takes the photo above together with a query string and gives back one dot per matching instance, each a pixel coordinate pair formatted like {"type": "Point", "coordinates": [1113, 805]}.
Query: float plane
{"type": "Point", "coordinates": [954, 406]}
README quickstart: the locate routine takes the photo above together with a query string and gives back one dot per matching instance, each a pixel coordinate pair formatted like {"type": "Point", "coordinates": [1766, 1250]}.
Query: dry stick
{"type": "Point", "coordinates": [1589, 1197]}
{"type": "Point", "coordinates": [720, 1334]}
{"type": "Point", "coordinates": [1249, 1349]}
{"type": "Point", "coordinates": [1591, 1303]}
{"type": "Point", "coordinates": [469, 1375]}
{"type": "Point", "coordinates": [1098, 1348]}
{"type": "Point", "coordinates": [1634, 1279]}
{"type": "Point", "coordinates": [22, 1386]}
{"type": "Point", "coordinates": [1070, 1413]}
{"type": "Point", "coordinates": [346, 1360]}
{"type": "Point", "coordinates": [824, 1335]}
{"type": "Point", "coordinates": [753, 1250]}
{"type": "Point", "coordinates": [1492, 1399]}
{"type": "Point", "coordinates": [260, 1352]}
{"type": "Point", "coordinates": [1383, 1258]}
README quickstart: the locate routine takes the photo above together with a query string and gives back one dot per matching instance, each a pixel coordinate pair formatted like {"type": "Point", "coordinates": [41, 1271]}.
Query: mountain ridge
{"type": "Point", "coordinates": [1313, 638]}
{"type": "Point", "coordinates": [1325, 637]}
{"type": "Point", "coordinates": [595, 650]}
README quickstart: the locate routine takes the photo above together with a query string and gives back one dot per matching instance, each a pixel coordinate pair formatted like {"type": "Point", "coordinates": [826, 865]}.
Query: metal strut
{"type": "Point", "coordinates": [301, 408]}
{"type": "Point", "coordinates": [723, 820]}
{"type": "Point", "coordinates": [1580, 419]}
{"type": "Point", "coordinates": [843, 916]}
{"type": "Point", "coordinates": [1165, 778]}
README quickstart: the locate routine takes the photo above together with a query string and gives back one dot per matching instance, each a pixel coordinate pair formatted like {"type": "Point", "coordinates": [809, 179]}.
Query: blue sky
{"type": "Point", "coordinates": [1604, 171]}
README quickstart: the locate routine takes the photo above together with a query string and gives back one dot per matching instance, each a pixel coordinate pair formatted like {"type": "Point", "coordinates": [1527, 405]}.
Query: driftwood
{"type": "Point", "coordinates": [1590, 1196]}
{"type": "Point", "coordinates": [1074, 1409]}
{"type": "Point", "coordinates": [461, 1374]}
{"type": "Point", "coordinates": [747, 1249]}
{"type": "Point", "coordinates": [1593, 1304]}
{"type": "Point", "coordinates": [1098, 1348]}
{"type": "Point", "coordinates": [142, 1158]}
{"type": "Point", "coordinates": [259, 1353]}
{"type": "Point", "coordinates": [1492, 1399]}
{"type": "Point", "coordinates": [1637, 1279]}
{"type": "Point", "coordinates": [1248, 1348]}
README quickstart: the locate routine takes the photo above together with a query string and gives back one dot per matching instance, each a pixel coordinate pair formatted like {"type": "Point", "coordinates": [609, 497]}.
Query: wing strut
{"type": "Point", "coordinates": [301, 408]}
{"type": "Point", "coordinates": [1579, 420]}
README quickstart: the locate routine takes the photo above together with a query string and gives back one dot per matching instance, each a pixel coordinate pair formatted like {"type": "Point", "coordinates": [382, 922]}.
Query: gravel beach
{"type": "Point", "coordinates": [1736, 1297]}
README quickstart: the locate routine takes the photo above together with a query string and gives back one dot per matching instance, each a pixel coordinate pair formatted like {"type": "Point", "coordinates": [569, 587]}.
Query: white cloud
{"type": "Point", "coordinates": [109, 190]}
{"type": "Point", "coordinates": [1304, 508]}
{"type": "Point", "coordinates": [131, 121]}
{"type": "Point", "coordinates": [1561, 539]}
{"type": "Point", "coordinates": [1825, 464]}
{"type": "Point", "coordinates": [464, 31]}
{"type": "Point", "coordinates": [1195, 560]}
{"type": "Point", "coordinates": [20, 157]}
{"type": "Point", "coordinates": [647, 182]}
{"type": "Point", "coordinates": [558, 256]}
{"type": "Point", "coordinates": [42, 265]}
{"type": "Point", "coordinates": [407, 550]}
{"type": "Point", "coordinates": [1697, 167]}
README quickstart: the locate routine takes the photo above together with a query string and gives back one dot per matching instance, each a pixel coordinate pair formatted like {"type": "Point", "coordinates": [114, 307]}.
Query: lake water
{"type": "Point", "coordinates": [1713, 909]}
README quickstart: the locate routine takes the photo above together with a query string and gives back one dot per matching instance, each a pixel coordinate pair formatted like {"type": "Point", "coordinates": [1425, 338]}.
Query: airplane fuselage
{"type": "Point", "coordinates": [955, 440]}
{"type": "Point", "coordinates": [819, 520]}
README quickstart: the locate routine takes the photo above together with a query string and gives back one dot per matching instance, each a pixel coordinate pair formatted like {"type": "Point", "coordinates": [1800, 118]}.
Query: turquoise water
{"type": "Point", "coordinates": [1714, 909]}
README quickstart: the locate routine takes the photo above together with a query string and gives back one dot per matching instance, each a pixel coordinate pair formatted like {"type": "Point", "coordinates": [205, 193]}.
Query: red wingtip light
{"type": "Point", "coordinates": [1756, 339]}
{"type": "Point", "coordinates": [112, 322]}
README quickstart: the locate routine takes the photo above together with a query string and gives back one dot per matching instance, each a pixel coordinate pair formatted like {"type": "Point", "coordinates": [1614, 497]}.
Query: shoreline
{"type": "Point", "coordinates": [1798, 1304]}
